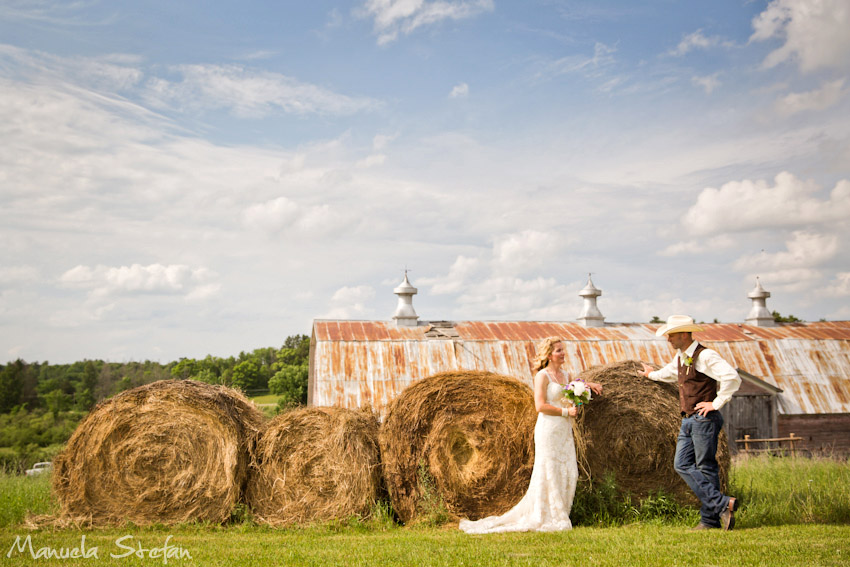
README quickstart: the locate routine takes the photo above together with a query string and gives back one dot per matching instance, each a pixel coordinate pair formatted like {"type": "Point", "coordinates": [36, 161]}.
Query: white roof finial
{"type": "Point", "coordinates": [759, 316]}
{"type": "Point", "coordinates": [405, 315]}
{"type": "Point", "coordinates": [590, 315]}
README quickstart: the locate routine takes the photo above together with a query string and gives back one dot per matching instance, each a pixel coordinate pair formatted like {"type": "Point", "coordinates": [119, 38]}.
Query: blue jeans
{"type": "Point", "coordinates": [696, 463]}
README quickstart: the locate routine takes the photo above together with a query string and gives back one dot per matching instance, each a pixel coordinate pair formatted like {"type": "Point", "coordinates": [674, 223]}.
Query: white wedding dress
{"type": "Point", "coordinates": [546, 506]}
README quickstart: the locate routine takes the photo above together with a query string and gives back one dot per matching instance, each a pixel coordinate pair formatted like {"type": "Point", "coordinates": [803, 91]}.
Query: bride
{"type": "Point", "coordinates": [546, 505]}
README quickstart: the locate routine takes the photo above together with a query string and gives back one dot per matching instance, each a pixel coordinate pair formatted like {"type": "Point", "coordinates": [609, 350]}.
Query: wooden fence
{"type": "Point", "coordinates": [791, 440]}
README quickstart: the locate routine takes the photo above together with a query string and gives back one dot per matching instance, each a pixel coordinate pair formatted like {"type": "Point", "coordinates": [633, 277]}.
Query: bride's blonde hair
{"type": "Point", "coordinates": [544, 349]}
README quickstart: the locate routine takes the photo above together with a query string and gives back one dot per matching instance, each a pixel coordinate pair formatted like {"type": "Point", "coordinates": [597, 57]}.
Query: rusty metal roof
{"type": "Point", "coordinates": [354, 363]}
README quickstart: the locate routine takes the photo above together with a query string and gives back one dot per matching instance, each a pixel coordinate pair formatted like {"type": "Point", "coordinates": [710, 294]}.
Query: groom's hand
{"type": "Point", "coordinates": [646, 369]}
{"type": "Point", "coordinates": [704, 407]}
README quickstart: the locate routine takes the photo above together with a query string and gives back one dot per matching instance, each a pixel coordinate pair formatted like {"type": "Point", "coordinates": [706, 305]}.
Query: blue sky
{"type": "Point", "coordinates": [188, 178]}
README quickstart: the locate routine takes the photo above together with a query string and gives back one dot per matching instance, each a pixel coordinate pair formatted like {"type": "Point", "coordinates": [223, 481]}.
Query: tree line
{"type": "Point", "coordinates": [42, 403]}
{"type": "Point", "coordinates": [777, 317]}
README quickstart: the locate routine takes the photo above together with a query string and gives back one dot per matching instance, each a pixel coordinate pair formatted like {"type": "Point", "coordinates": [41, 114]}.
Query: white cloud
{"type": "Point", "coordinates": [602, 57]}
{"type": "Point", "coordinates": [115, 71]}
{"type": "Point", "coordinates": [283, 214]}
{"type": "Point", "coordinates": [819, 99]}
{"type": "Point", "coordinates": [697, 40]}
{"type": "Point", "coordinates": [804, 250]}
{"type": "Point", "coordinates": [103, 281]}
{"type": "Point", "coordinates": [52, 12]}
{"type": "Point", "coordinates": [258, 55]}
{"type": "Point", "coordinates": [708, 83]}
{"type": "Point", "coordinates": [18, 274]}
{"type": "Point", "coordinates": [525, 251]}
{"type": "Point", "coordinates": [350, 303]}
{"type": "Point", "coordinates": [791, 280]}
{"type": "Point", "coordinates": [840, 286]}
{"type": "Point", "coordinates": [460, 273]}
{"type": "Point", "coordinates": [814, 33]}
{"type": "Point", "coordinates": [381, 141]}
{"type": "Point", "coordinates": [699, 246]}
{"type": "Point", "coordinates": [514, 298]}
{"type": "Point", "coordinates": [249, 92]}
{"type": "Point", "coordinates": [272, 215]}
{"type": "Point", "coordinates": [666, 304]}
{"type": "Point", "coordinates": [394, 17]}
{"type": "Point", "coordinates": [203, 292]}
{"type": "Point", "coordinates": [798, 268]}
{"type": "Point", "coordinates": [747, 205]}
{"type": "Point", "coordinates": [79, 317]}
{"type": "Point", "coordinates": [491, 286]}
{"type": "Point", "coordinates": [460, 91]}
{"type": "Point", "coordinates": [371, 161]}
{"type": "Point", "coordinates": [244, 91]}
{"type": "Point", "coordinates": [351, 295]}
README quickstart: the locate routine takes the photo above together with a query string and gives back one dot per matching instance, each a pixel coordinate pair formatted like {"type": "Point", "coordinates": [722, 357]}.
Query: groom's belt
{"type": "Point", "coordinates": [686, 415]}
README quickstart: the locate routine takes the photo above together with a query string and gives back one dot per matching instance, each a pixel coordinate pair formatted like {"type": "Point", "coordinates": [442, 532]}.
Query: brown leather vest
{"type": "Point", "coordinates": [694, 387]}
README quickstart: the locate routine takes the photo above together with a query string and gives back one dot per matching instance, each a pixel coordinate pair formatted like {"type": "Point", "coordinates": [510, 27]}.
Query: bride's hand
{"type": "Point", "coordinates": [572, 411]}
{"type": "Point", "coordinates": [595, 388]}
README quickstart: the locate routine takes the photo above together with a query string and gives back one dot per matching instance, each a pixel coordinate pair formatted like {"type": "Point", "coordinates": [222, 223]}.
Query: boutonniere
{"type": "Point", "coordinates": [687, 360]}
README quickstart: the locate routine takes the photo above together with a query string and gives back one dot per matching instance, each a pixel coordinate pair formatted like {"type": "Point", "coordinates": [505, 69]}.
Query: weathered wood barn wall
{"type": "Point", "coordinates": [826, 434]}
{"type": "Point", "coordinates": [353, 363]}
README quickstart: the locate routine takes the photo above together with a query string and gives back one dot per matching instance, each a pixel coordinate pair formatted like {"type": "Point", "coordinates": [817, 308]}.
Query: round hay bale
{"type": "Point", "coordinates": [631, 431]}
{"type": "Point", "coordinates": [168, 452]}
{"type": "Point", "coordinates": [466, 435]}
{"type": "Point", "coordinates": [316, 464]}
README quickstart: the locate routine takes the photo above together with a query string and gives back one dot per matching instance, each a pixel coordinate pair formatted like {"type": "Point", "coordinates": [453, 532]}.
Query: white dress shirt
{"type": "Point", "coordinates": [709, 363]}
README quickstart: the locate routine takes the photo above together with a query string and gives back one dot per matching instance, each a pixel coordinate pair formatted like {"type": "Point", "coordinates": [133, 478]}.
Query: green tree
{"type": "Point", "coordinates": [208, 376]}
{"type": "Point", "coordinates": [656, 319]}
{"type": "Point", "coordinates": [779, 318]}
{"type": "Point", "coordinates": [290, 382]}
{"type": "Point", "coordinates": [246, 375]}
{"type": "Point", "coordinates": [85, 387]}
{"type": "Point", "coordinates": [57, 401]}
{"type": "Point", "coordinates": [295, 350]}
{"type": "Point", "coordinates": [184, 369]}
{"type": "Point", "coordinates": [11, 385]}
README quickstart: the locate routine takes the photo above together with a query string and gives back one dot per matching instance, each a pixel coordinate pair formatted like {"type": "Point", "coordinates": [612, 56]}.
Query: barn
{"type": "Point", "coordinates": [796, 376]}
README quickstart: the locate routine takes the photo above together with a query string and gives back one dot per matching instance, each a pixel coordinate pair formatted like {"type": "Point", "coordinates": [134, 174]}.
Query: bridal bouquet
{"type": "Point", "coordinates": [577, 392]}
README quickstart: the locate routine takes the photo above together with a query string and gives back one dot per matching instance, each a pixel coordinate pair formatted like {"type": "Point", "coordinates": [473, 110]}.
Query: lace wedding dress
{"type": "Point", "coordinates": [546, 506]}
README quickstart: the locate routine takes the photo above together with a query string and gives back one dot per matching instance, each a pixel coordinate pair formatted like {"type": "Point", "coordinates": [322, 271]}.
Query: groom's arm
{"type": "Point", "coordinates": [666, 374]}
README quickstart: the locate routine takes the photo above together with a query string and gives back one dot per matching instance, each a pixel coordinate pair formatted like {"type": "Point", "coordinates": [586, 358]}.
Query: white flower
{"type": "Point", "coordinates": [579, 388]}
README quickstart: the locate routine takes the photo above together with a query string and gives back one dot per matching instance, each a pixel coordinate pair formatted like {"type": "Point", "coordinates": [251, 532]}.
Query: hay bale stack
{"type": "Point", "coordinates": [469, 434]}
{"type": "Point", "coordinates": [631, 430]}
{"type": "Point", "coordinates": [168, 452]}
{"type": "Point", "coordinates": [316, 464]}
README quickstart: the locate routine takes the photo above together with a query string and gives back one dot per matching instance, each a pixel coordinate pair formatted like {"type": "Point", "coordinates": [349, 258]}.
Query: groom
{"type": "Point", "coordinates": [706, 383]}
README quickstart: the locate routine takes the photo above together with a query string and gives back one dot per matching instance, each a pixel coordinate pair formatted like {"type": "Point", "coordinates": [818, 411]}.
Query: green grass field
{"type": "Point", "coordinates": [795, 512]}
{"type": "Point", "coordinates": [633, 545]}
{"type": "Point", "coordinates": [266, 400]}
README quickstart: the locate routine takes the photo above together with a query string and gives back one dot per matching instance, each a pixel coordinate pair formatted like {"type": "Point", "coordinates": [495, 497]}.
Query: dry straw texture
{"type": "Point", "coordinates": [469, 434]}
{"type": "Point", "coordinates": [316, 464]}
{"type": "Point", "coordinates": [168, 452]}
{"type": "Point", "coordinates": [631, 431]}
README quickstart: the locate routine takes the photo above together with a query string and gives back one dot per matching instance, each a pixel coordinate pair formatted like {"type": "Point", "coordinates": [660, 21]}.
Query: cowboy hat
{"type": "Point", "coordinates": [677, 324]}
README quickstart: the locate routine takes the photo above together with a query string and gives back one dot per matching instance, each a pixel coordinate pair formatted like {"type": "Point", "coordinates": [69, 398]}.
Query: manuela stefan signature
{"type": "Point", "coordinates": [126, 546]}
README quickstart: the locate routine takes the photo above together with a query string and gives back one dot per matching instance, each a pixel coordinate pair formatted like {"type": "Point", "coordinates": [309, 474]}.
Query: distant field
{"type": "Point", "coordinates": [266, 400]}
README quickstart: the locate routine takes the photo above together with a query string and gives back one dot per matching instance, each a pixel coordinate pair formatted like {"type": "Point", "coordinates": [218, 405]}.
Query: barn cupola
{"type": "Point", "coordinates": [590, 314]}
{"type": "Point", "coordinates": [759, 315]}
{"type": "Point", "coordinates": [405, 315]}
